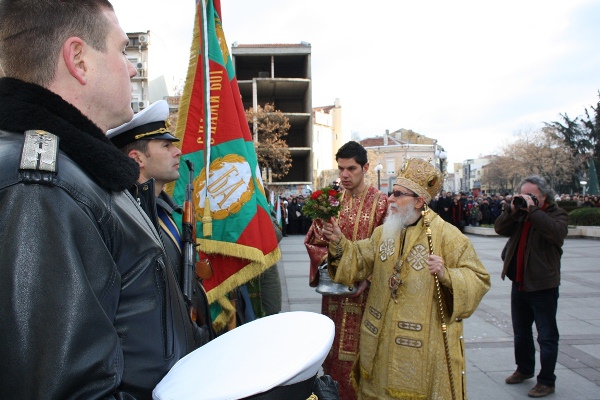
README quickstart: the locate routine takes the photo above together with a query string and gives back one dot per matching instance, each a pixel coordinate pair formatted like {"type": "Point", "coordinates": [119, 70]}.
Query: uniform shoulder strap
{"type": "Point", "coordinates": [40, 151]}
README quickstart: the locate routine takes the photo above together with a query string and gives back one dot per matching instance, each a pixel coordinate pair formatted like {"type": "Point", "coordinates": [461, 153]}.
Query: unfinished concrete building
{"type": "Point", "coordinates": [281, 74]}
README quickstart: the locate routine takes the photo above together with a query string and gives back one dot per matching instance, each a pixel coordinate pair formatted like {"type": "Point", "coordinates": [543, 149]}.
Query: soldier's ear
{"type": "Point", "coordinates": [74, 56]}
{"type": "Point", "coordinates": [136, 156]}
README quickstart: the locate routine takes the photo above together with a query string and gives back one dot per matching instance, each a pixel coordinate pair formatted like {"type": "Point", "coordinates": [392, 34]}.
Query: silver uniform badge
{"type": "Point", "coordinates": [39, 151]}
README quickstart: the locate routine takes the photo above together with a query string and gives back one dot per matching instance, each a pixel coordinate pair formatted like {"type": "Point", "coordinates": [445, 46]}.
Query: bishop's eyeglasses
{"type": "Point", "coordinates": [399, 193]}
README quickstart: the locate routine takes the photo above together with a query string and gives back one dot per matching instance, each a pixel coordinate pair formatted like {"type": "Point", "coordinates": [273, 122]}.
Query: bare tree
{"type": "Point", "coordinates": [534, 152]}
{"type": "Point", "coordinates": [501, 174]}
{"type": "Point", "coordinates": [270, 129]}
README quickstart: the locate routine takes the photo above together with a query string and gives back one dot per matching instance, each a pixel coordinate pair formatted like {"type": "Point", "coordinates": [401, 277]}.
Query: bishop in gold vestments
{"type": "Point", "coordinates": [401, 351]}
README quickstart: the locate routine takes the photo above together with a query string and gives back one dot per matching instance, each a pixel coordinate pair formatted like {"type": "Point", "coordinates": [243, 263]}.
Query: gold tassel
{"type": "Point", "coordinates": [227, 312]}
{"type": "Point", "coordinates": [206, 219]}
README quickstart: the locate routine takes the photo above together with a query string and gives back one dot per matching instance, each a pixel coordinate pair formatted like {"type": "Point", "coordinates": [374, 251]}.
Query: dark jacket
{"type": "Point", "coordinates": [444, 203]}
{"type": "Point", "coordinates": [144, 194]}
{"type": "Point", "coordinates": [90, 307]}
{"type": "Point", "coordinates": [544, 244]}
{"type": "Point", "coordinates": [293, 210]}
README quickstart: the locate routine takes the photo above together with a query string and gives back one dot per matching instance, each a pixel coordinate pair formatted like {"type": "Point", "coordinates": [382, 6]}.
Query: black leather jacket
{"type": "Point", "coordinates": [90, 308]}
{"type": "Point", "coordinates": [144, 194]}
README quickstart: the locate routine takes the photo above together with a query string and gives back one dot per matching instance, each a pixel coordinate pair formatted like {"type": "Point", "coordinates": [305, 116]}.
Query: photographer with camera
{"type": "Point", "coordinates": [536, 228]}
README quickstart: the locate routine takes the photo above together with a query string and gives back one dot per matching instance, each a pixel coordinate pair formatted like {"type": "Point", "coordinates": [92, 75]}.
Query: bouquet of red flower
{"type": "Point", "coordinates": [324, 204]}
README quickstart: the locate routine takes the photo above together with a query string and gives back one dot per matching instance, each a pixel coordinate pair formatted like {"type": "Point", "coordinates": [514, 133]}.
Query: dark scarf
{"type": "Point", "coordinates": [25, 106]}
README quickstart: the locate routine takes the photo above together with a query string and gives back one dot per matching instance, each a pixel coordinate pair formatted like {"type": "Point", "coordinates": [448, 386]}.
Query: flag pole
{"type": "Point", "coordinates": [206, 217]}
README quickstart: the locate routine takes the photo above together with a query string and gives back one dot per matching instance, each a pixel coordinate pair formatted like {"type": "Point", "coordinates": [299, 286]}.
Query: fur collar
{"type": "Point", "coordinates": [25, 106]}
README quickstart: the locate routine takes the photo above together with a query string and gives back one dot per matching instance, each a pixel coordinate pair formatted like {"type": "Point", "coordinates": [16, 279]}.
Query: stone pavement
{"type": "Point", "coordinates": [488, 332]}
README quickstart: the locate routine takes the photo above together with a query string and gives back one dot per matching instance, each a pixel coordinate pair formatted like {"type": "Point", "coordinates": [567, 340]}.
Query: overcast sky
{"type": "Point", "coordinates": [468, 73]}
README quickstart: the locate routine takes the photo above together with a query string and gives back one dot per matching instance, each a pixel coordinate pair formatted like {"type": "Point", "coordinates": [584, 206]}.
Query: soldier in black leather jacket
{"type": "Point", "coordinates": [148, 140]}
{"type": "Point", "coordinates": [90, 308]}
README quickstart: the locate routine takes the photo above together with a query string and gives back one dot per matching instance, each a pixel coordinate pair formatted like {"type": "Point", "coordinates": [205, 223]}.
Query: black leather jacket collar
{"type": "Point", "coordinates": [27, 106]}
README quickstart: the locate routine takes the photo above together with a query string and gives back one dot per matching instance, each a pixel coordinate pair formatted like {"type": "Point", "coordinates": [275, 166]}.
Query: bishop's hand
{"type": "Point", "coordinates": [436, 265]}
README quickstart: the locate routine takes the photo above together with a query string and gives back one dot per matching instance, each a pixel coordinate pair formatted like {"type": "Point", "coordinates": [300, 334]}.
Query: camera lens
{"type": "Point", "coordinates": [519, 202]}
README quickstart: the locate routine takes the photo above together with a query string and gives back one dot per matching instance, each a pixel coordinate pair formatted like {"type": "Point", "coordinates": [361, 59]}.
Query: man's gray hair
{"type": "Point", "coordinates": [542, 185]}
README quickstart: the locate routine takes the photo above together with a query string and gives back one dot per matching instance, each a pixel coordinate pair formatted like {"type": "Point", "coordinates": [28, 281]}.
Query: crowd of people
{"type": "Point", "coordinates": [463, 209]}
{"type": "Point", "coordinates": [580, 199]}
{"type": "Point", "coordinates": [294, 222]}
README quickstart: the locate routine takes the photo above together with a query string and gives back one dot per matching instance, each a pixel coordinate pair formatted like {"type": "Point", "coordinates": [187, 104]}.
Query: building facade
{"type": "Point", "coordinates": [150, 84]}
{"type": "Point", "coordinates": [280, 74]}
{"type": "Point", "coordinates": [138, 53]}
{"type": "Point", "coordinates": [387, 153]}
{"type": "Point", "coordinates": [328, 137]}
{"type": "Point", "coordinates": [471, 175]}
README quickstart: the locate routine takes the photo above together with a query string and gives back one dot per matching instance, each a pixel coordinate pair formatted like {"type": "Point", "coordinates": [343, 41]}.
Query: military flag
{"type": "Point", "coordinates": [234, 227]}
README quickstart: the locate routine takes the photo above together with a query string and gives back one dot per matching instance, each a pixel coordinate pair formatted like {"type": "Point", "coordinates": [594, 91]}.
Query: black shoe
{"type": "Point", "coordinates": [517, 377]}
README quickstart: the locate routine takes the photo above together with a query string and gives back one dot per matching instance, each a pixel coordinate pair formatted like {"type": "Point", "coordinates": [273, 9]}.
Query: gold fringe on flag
{"type": "Point", "coordinates": [258, 264]}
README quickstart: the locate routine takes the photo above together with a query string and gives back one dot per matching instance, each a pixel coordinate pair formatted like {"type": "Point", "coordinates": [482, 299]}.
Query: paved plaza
{"type": "Point", "coordinates": [488, 332]}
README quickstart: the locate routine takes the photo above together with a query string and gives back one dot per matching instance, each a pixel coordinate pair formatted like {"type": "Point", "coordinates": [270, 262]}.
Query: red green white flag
{"type": "Point", "coordinates": [237, 234]}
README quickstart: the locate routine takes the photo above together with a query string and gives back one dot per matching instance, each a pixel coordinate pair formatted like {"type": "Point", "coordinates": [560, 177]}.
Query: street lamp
{"type": "Point", "coordinates": [378, 168]}
{"type": "Point", "coordinates": [441, 154]}
{"type": "Point", "coordinates": [583, 183]}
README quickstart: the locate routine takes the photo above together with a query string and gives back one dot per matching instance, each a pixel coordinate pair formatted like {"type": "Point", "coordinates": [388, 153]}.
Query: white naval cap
{"type": "Point", "coordinates": [150, 123]}
{"type": "Point", "coordinates": [266, 356]}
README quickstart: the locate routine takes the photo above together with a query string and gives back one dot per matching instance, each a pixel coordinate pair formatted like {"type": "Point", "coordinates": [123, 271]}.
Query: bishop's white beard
{"type": "Point", "coordinates": [396, 221]}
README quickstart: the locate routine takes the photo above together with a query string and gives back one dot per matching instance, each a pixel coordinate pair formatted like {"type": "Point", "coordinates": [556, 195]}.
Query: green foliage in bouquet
{"type": "Point", "coordinates": [324, 203]}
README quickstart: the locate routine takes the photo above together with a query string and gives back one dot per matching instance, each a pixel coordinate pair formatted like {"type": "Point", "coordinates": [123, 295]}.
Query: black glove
{"type": "Point", "coordinates": [326, 388]}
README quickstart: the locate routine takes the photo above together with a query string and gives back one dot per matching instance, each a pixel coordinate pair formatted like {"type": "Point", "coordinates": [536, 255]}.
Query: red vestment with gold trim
{"type": "Point", "coordinates": [359, 216]}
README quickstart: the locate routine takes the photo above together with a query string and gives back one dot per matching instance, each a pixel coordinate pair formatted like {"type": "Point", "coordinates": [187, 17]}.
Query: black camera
{"type": "Point", "coordinates": [519, 202]}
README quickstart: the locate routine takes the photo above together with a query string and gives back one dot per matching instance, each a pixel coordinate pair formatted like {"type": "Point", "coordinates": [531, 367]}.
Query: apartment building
{"type": "Point", "coordinates": [280, 74]}
{"type": "Point", "coordinates": [150, 83]}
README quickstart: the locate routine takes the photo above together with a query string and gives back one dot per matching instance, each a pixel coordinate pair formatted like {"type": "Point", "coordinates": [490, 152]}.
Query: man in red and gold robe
{"type": "Point", "coordinates": [363, 209]}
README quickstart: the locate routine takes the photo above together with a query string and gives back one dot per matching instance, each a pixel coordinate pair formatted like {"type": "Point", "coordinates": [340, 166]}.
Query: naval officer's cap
{"type": "Point", "coordinates": [275, 357]}
{"type": "Point", "coordinates": [149, 124]}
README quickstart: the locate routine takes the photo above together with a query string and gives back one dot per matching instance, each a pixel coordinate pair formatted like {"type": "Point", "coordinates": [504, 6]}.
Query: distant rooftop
{"type": "Point", "coordinates": [379, 142]}
{"type": "Point", "coordinates": [304, 44]}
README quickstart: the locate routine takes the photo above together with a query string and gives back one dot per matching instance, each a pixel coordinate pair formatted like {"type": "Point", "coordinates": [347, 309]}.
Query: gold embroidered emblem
{"type": "Point", "coordinates": [410, 326]}
{"type": "Point", "coordinates": [386, 249]}
{"type": "Point", "coordinates": [374, 312]}
{"type": "Point", "coordinates": [408, 342]}
{"type": "Point", "coordinates": [230, 187]}
{"type": "Point", "coordinates": [417, 257]}
{"type": "Point", "coordinates": [371, 327]}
